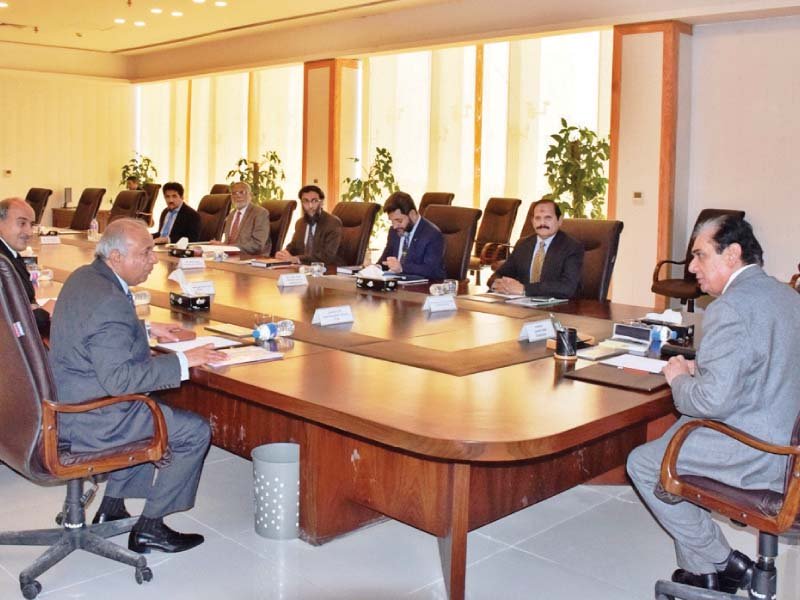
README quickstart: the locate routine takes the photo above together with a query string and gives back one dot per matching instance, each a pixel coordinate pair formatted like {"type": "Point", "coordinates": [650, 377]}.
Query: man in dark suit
{"type": "Point", "coordinates": [16, 222]}
{"type": "Point", "coordinates": [548, 263]}
{"type": "Point", "coordinates": [179, 219]}
{"type": "Point", "coordinates": [414, 246]}
{"type": "Point", "coordinates": [99, 348]}
{"type": "Point", "coordinates": [317, 235]}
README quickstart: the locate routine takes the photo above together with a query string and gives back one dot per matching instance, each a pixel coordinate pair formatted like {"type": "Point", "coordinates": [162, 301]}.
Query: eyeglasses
{"type": "Point", "coordinates": [311, 200]}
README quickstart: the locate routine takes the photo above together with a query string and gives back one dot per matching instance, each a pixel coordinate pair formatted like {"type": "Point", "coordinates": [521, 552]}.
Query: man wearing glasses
{"type": "Point", "coordinates": [317, 235]}
{"type": "Point", "coordinates": [247, 226]}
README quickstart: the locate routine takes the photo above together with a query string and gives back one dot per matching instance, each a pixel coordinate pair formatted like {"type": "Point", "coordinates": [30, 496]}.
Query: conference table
{"type": "Point", "coordinates": [444, 421]}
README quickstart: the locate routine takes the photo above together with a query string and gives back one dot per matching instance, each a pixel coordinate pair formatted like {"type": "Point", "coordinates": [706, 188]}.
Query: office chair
{"type": "Point", "coordinates": [37, 200]}
{"type": "Point", "coordinates": [87, 208]}
{"type": "Point", "coordinates": [600, 241]}
{"type": "Point", "coordinates": [429, 198]}
{"type": "Point", "coordinates": [145, 212]}
{"type": "Point", "coordinates": [220, 188]}
{"type": "Point", "coordinates": [127, 204]}
{"type": "Point", "coordinates": [213, 209]}
{"type": "Point", "coordinates": [771, 513]}
{"type": "Point", "coordinates": [458, 225]}
{"type": "Point", "coordinates": [357, 220]}
{"type": "Point", "coordinates": [494, 232]}
{"type": "Point", "coordinates": [280, 216]}
{"type": "Point", "coordinates": [30, 445]}
{"type": "Point", "coordinates": [687, 288]}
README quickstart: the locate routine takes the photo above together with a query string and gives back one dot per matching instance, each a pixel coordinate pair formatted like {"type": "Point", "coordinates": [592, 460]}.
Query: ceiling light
{"type": "Point", "coordinates": [220, 3]}
{"type": "Point", "coordinates": [5, 4]}
{"type": "Point", "coordinates": [139, 23]}
{"type": "Point", "coordinates": [156, 11]}
{"type": "Point", "coordinates": [119, 21]}
{"type": "Point", "coordinates": [198, 1]}
{"type": "Point", "coordinates": [176, 13]}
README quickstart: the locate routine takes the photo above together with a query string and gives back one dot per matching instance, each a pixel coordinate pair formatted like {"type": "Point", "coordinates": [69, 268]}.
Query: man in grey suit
{"type": "Point", "coordinates": [99, 348]}
{"type": "Point", "coordinates": [745, 375]}
{"type": "Point", "coordinates": [247, 226]}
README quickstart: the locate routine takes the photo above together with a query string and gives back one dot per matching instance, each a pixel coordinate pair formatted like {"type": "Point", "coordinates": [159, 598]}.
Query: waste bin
{"type": "Point", "coordinates": [276, 481]}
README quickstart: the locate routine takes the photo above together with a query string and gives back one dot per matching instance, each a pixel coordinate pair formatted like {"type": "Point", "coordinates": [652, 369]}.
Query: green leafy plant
{"type": "Point", "coordinates": [378, 182]}
{"type": "Point", "coordinates": [575, 164]}
{"type": "Point", "coordinates": [141, 167]}
{"type": "Point", "coordinates": [264, 177]}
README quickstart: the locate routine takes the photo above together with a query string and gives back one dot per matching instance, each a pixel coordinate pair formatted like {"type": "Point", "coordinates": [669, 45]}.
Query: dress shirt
{"type": "Point", "coordinates": [405, 241]}
{"type": "Point", "coordinates": [169, 222]}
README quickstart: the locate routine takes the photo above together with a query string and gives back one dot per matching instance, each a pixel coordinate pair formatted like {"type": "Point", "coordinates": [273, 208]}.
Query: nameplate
{"type": "Point", "coordinates": [440, 303]}
{"type": "Point", "coordinates": [332, 315]}
{"type": "Point", "coordinates": [49, 239]}
{"type": "Point", "coordinates": [195, 262]}
{"type": "Point", "coordinates": [536, 331]}
{"type": "Point", "coordinates": [200, 288]}
{"type": "Point", "coordinates": [289, 279]}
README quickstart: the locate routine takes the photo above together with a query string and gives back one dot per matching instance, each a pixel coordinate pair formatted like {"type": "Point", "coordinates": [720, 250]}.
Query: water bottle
{"type": "Point", "coordinates": [93, 230]}
{"type": "Point", "coordinates": [270, 331]}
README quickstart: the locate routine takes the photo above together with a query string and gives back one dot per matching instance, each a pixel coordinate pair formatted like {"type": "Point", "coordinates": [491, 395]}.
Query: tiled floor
{"type": "Point", "coordinates": [589, 542]}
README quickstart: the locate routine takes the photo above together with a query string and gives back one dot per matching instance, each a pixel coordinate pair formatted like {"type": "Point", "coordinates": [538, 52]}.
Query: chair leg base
{"type": "Point", "coordinates": [669, 590]}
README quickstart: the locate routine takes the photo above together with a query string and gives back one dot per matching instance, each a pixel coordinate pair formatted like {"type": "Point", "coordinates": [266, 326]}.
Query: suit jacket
{"type": "Point", "coordinates": [327, 236]}
{"type": "Point", "coordinates": [425, 255]}
{"type": "Point", "coordinates": [253, 236]}
{"type": "Point", "coordinates": [747, 377]}
{"type": "Point", "coordinates": [186, 224]}
{"type": "Point", "coordinates": [41, 315]}
{"type": "Point", "coordinates": [561, 271]}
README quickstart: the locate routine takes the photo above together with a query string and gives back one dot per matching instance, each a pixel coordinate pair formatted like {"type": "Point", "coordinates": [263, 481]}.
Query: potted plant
{"type": "Point", "coordinates": [264, 177]}
{"type": "Point", "coordinates": [140, 167]}
{"type": "Point", "coordinates": [575, 164]}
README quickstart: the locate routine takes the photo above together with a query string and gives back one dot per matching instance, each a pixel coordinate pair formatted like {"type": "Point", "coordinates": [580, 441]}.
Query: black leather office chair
{"type": "Point", "coordinates": [280, 216]}
{"type": "Point", "coordinates": [29, 443]}
{"type": "Point", "coordinates": [220, 188]}
{"type": "Point", "coordinates": [686, 289]}
{"type": "Point", "coordinates": [146, 210]}
{"type": "Point", "coordinates": [87, 208]}
{"type": "Point", "coordinates": [213, 209]}
{"type": "Point", "coordinates": [37, 200]}
{"type": "Point", "coordinates": [458, 225]}
{"type": "Point", "coordinates": [429, 198]}
{"type": "Point", "coordinates": [127, 204]}
{"type": "Point", "coordinates": [771, 513]}
{"type": "Point", "coordinates": [357, 219]}
{"type": "Point", "coordinates": [494, 231]}
{"type": "Point", "coordinates": [600, 241]}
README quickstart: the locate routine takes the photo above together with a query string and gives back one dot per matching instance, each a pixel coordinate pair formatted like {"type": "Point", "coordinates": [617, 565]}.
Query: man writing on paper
{"type": "Point", "coordinates": [99, 348]}
{"type": "Point", "coordinates": [247, 226]}
{"type": "Point", "coordinates": [746, 376]}
{"type": "Point", "coordinates": [546, 264]}
{"type": "Point", "coordinates": [414, 246]}
{"type": "Point", "coordinates": [317, 235]}
{"type": "Point", "coordinates": [16, 220]}
{"type": "Point", "coordinates": [178, 220]}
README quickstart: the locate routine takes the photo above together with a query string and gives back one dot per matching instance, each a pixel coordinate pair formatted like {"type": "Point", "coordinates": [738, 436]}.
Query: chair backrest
{"type": "Point", "coordinates": [600, 241]}
{"type": "Point", "coordinates": [429, 198]}
{"type": "Point", "coordinates": [25, 379]}
{"type": "Point", "coordinates": [458, 225]}
{"type": "Point", "coordinates": [357, 220]}
{"type": "Point", "coordinates": [527, 226]}
{"type": "Point", "coordinates": [220, 188]}
{"type": "Point", "coordinates": [705, 215]}
{"type": "Point", "coordinates": [280, 215]}
{"type": "Point", "coordinates": [497, 222]}
{"type": "Point", "coordinates": [37, 200]}
{"type": "Point", "coordinates": [127, 204]}
{"type": "Point", "coordinates": [87, 208]}
{"type": "Point", "coordinates": [151, 189]}
{"type": "Point", "coordinates": [213, 209]}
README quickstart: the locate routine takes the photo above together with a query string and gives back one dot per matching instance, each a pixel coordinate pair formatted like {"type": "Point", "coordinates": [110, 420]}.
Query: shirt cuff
{"type": "Point", "coordinates": [184, 366]}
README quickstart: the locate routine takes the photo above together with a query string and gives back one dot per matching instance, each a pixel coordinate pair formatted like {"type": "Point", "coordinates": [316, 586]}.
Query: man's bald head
{"type": "Point", "coordinates": [16, 222]}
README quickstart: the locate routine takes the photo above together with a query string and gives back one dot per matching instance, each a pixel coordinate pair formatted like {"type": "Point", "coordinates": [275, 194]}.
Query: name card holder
{"type": "Point", "coordinates": [332, 315]}
{"type": "Point", "coordinates": [196, 262]}
{"type": "Point", "coordinates": [200, 288]}
{"type": "Point", "coordinates": [49, 239]}
{"type": "Point", "coordinates": [536, 331]}
{"type": "Point", "coordinates": [440, 303]}
{"type": "Point", "coordinates": [290, 279]}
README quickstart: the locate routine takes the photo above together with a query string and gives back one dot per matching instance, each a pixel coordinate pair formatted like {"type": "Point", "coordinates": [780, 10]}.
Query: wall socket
{"type": "Point", "coordinates": [638, 198]}
{"type": "Point", "coordinates": [6, 172]}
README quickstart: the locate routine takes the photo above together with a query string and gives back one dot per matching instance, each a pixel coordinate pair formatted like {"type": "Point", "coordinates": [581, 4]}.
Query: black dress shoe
{"type": "Point", "coordinates": [707, 581]}
{"type": "Point", "coordinates": [737, 573]}
{"type": "Point", "coordinates": [104, 517]}
{"type": "Point", "coordinates": [164, 539]}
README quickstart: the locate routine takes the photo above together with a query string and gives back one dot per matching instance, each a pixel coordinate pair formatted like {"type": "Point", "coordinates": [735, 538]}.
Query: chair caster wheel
{"type": "Point", "coordinates": [30, 590]}
{"type": "Point", "coordinates": [60, 518]}
{"type": "Point", "coordinates": [143, 574]}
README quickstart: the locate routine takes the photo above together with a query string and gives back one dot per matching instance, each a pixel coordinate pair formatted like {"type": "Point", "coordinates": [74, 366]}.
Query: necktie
{"type": "Point", "coordinates": [168, 223]}
{"type": "Point", "coordinates": [404, 252]}
{"type": "Point", "coordinates": [234, 227]}
{"type": "Point", "coordinates": [130, 298]}
{"type": "Point", "coordinates": [536, 264]}
{"type": "Point", "coordinates": [310, 241]}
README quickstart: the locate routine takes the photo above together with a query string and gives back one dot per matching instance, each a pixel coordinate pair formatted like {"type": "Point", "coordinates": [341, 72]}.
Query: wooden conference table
{"type": "Point", "coordinates": [443, 421]}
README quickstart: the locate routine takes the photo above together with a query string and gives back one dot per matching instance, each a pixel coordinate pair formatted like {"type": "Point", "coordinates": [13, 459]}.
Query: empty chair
{"type": "Point", "coordinates": [494, 232]}
{"type": "Point", "coordinates": [429, 198]}
{"type": "Point", "coordinates": [37, 200]}
{"type": "Point", "coordinates": [686, 288]}
{"type": "Point", "coordinates": [220, 188]}
{"type": "Point", "coordinates": [280, 215]}
{"type": "Point", "coordinates": [357, 220]}
{"type": "Point", "coordinates": [88, 204]}
{"type": "Point", "coordinates": [458, 225]}
{"type": "Point", "coordinates": [146, 211]}
{"type": "Point", "coordinates": [213, 209]}
{"type": "Point", "coordinates": [29, 413]}
{"type": "Point", "coordinates": [127, 204]}
{"type": "Point", "coordinates": [600, 241]}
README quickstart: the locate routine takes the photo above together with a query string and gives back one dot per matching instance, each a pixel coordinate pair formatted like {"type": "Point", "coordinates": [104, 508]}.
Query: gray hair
{"type": "Point", "coordinates": [6, 204]}
{"type": "Point", "coordinates": [117, 236]}
{"type": "Point", "coordinates": [243, 183]}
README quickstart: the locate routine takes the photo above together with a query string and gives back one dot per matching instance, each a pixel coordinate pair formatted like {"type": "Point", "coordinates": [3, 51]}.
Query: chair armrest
{"type": "Point", "coordinates": [674, 484]}
{"type": "Point", "coordinates": [665, 262]}
{"type": "Point", "coordinates": [110, 459]}
{"type": "Point", "coordinates": [492, 252]}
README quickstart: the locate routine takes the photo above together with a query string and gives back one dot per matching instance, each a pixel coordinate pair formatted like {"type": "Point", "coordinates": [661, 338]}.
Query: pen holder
{"type": "Point", "coordinates": [567, 344]}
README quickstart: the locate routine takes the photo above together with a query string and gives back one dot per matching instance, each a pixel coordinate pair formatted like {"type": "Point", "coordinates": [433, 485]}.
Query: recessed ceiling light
{"type": "Point", "coordinates": [156, 11]}
{"type": "Point", "coordinates": [220, 3]}
{"type": "Point", "coordinates": [119, 21]}
{"type": "Point", "coordinates": [5, 4]}
{"type": "Point", "coordinates": [176, 13]}
{"type": "Point", "coordinates": [139, 23]}
{"type": "Point", "coordinates": [198, 1]}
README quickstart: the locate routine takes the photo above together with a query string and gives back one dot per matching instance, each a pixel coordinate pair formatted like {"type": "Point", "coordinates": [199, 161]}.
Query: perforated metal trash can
{"type": "Point", "coordinates": [276, 480]}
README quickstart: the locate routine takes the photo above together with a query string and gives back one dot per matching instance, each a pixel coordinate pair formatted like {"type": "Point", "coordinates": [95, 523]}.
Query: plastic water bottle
{"type": "Point", "coordinates": [270, 331]}
{"type": "Point", "coordinates": [93, 231]}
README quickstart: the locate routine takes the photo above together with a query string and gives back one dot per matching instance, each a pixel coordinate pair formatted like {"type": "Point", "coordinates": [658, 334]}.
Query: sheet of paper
{"type": "Point", "coordinates": [215, 248]}
{"type": "Point", "coordinates": [246, 354]}
{"type": "Point", "coordinates": [639, 363]}
{"type": "Point", "coordinates": [219, 342]}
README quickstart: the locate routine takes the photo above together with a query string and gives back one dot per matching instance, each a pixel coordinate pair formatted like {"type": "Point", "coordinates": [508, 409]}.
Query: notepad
{"type": "Point", "coordinates": [219, 342]}
{"type": "Point", "coordinates": [638, 363]}
{"type": "Point", "coordinates": [246, 354]}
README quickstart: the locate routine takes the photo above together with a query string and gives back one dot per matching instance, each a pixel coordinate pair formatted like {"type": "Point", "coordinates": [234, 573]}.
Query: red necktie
{"type": "Point", "coordinates": [234, 227]}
